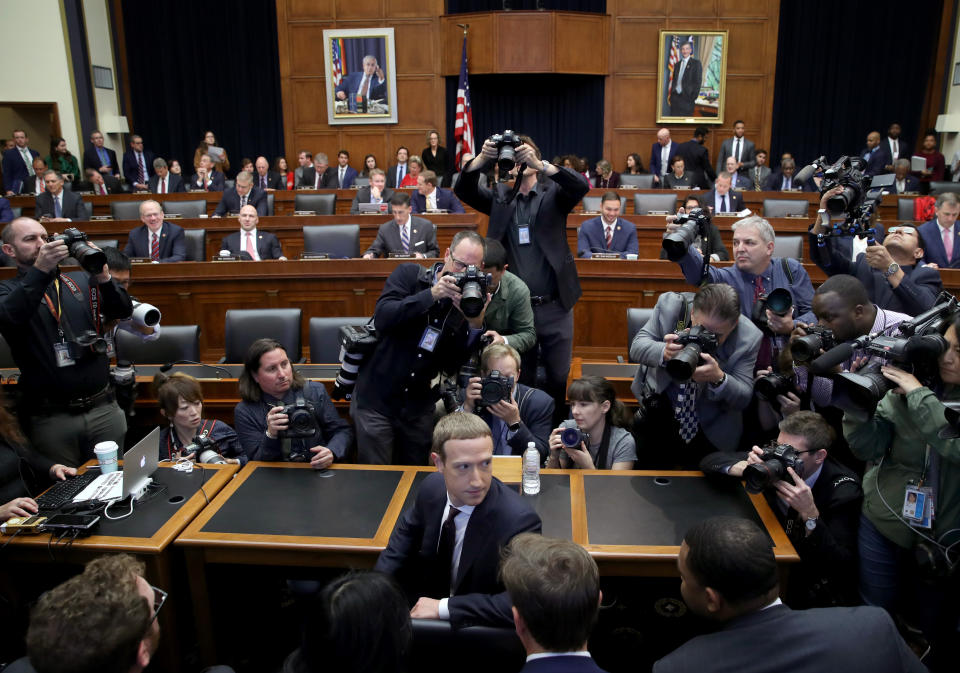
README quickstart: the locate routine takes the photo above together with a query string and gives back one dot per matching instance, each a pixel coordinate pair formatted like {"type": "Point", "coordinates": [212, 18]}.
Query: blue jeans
{"type": "Point", "coordinates": [881, 562]}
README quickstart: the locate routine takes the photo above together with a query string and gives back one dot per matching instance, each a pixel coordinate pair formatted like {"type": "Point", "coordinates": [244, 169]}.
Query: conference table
{"type": "Point", "coordinates": [289, 515]}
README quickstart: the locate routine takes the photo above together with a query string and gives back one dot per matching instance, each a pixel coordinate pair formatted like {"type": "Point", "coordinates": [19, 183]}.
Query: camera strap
{"type": "Point", "coordinates": [786, 270]}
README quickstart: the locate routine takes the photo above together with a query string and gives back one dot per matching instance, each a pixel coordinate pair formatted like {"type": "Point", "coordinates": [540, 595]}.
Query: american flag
{"type": "Point", "coordinates": [337, 62]}
{"type": "Point", "coordinates": [671, 62]}
{"type": "Point", "coordinates": [463, 126]}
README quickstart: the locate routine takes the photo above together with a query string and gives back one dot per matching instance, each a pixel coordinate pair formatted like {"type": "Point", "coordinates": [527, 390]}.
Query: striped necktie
{"type": "Point", "coordinates": [404, 238]}
{"type": "Point", "coordinates": [155, 247]}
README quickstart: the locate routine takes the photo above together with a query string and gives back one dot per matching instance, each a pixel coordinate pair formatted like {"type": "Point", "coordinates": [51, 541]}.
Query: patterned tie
{"type": "Point", "coordinates": [252, 251]}
{"type": "Point", "coordinates": [155, 248]}
{"type": "Point", "coordinates": [263, 182]}
{"type": "Point", "coordinates": [404, 239]}
{"type": "Point", "coordinates": [141, 171]}
{"type": "Point", "coordinates": [948, 244]}
{"type": "Point", "coordinates": [609, 235]}
{"type": "Point", "coordinates": [757, 187]}
{"type": "Point", "coordinates": [28, 160]}
{"type": "Point", "coordinates": [104, 157]}
{"type": "Point", "coordinates": [445, 547]}
{"type": "Point", "coordinates": [686, 411]}
{"type": "Point", "coordinates": [243, 200]}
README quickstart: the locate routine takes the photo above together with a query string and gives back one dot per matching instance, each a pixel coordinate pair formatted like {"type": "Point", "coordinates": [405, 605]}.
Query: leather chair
{"type": "Point", "coordinates": [644, 203]}
{"type": "Point", "coordinates": [325, 337]}
{"type": "Point", "coordinates": [18, 211]}
{"type": "Point", "coordinates": [491, 649]}
{"type": "Point", "coordinates": [785, 207]}
{"type": "Point", "coordinates": [321, 204]}
{"type": "Point", "coordinates": [592, 204]}
{"type": "Point", "coordinates": [125, 210]}
{"type": "Point", "coordinates": [176, 342]}
{"type": "Point", "coordinates": [360, 181]}
{"type": "Point", "coordinates": [6, 356]}
{"type": "Point", "coordinates": [270, 201]}
{"type": "Point", "coordinates": [788, 246]}
{"type": "Point", "coordinates": [636, 319]}
{"type": "Point", "coordinates": [88, 206]}
{"type": "Point", "coordinates": [195, 244]}
{"type": "Point", "coordinates": [905, 209]}
{"type": "Point", "coordinates": [186, 208]}
{"type": "Point", "coordinates": [337, 240]}
{"type": "Point", "coordinates": [638, 181]}
{"type": "Point", "coordinates": [244, 326]}
{"type": "Point", "coordinates": [942, 186]}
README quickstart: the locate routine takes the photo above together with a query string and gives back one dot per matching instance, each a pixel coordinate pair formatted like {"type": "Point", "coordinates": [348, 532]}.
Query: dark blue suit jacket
{"type": "Point", "coordinates": [775, 182]}
{"type": "Point", "coordinates": [934, 250]}
{"type": "Point", "coordinates": [216, 182]}
{"type": "Point", "coordinates": [446, 200]}
{"type": "Point", "coordinates": [172, 243]}
{"type": "Point", "coordinates": [562, 664]}
{"type": "Point", "coordinates": [92, 160]}
{"type": "Point", "coordinates": [349, 175]}
{"type": "Point", "coordinates": [536, 422]}
{"type": "Point", "coordinates": [130, 166]}
{"type": "Point", "coordinates": [14, 170]}
{"type": "Point", "coordinates": [912, 185]}
{"type": "Point", "coordinates": [230, 202]}
{"type": "Point", "coordinates": [6, 212]}
{"type": "Point", "coordinates": [70, 206]}
{"type": "Point", "coordinates": [268, 246]}
{"type": "Point", "coordinates": [876, 161]}
{"type": "Point", "coordinates": [174, 184]}
{"type": "Point", "coordinates": [478, 595]}
{"type": "Point", "coordinates": [734, 200]}
{"type": "Point", "coordinates": [351, 83]}
{"type": "Point", "coordinates": [655, 157]}
{"type": "Point", "coordinates": [591, 238]}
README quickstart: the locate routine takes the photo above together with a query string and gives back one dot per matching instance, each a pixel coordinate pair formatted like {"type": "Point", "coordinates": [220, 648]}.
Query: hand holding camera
{"type": "Point", "coordinates": [277, 422]}
{"type": "Point", "coordinates": [671, 346]}
{"type": "Point", "coordinates": [573, 441]}
{"type": "Point", "coordinates": [51, 254]}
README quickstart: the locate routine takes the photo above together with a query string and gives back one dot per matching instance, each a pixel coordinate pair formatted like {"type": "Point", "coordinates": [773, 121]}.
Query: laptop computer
{"type": "Point", "coordinates": [139, 464]}
{"type": "Point", "coordinates": [372, 207]}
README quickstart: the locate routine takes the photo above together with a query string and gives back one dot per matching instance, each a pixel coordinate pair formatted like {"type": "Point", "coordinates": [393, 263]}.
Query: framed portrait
{"type": "Point", "coordinates": [692, 77]}
{"type": "Point", "coordinates": [361, 76]}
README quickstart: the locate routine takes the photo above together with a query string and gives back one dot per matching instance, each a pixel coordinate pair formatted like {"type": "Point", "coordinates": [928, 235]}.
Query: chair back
{"type": "Point", "coordinates": [195, 244]}
{"type": "Point", "coordinates": [244, 326]}
{"type": "Point", "coordinates": [325, 337]}
{"type": "Point", "coordinates": [337, 240]}
{"type": "Point", "coordinates": [176, 342]}
{"type": "Point", "coordinates": [321, 204]}
{"type": "Point", "coordinates": [785, 207]}
{"type": "Point", "coordinates": [636, 319]}
{"type": "Point", "coordinates": [644, 203]}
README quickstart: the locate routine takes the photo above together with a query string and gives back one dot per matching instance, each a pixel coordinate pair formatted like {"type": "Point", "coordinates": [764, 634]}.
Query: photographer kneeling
{"type": "Point", "coordinates": [815, 499]}
{"type": "Point", "coordinates": [285, 417]}
{"type": "Point", "coordinates": [517, 414]}
{"type": "Point", "coordinates": [597, 436]}
{"type": "Point", "coordinates": [190, 435]}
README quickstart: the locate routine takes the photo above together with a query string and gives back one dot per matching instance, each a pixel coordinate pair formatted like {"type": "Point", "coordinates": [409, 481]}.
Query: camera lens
{"type": "Point", "coordinates": [769, 386]}
{"type": "Point", "coordinates": [860, 390]}
{"type": "Point", "coordinates": [570, 438]}
{"type": "Point", "coordinates": [676, 244]}
{"type": "Point", "coordinates": [680, 367]}
{"type": "Point", "coordinates": [779, 301]}
{"type": "Point", "coordinates": [506, 159]}
{"type": "Point", "coordinates": [838, 204]}
{"type": "Point", "coordinates": [759, 476]}
{"type": "Point", "coordinates": [472, 299]}
{"type": "Point", "coordinates": [806, 348]}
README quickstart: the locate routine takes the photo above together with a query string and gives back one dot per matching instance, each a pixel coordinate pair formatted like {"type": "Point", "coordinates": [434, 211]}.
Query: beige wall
{"type": "Point", "coordinates": [96, 17]}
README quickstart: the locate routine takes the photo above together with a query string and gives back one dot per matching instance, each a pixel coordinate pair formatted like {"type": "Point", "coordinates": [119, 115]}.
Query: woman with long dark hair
{"type": "Point", "coordinates": [210, 140]}
{"type": "Point", "coordinates": [597, 412]}
{"type": "Point", "coordinates": [61, 161]}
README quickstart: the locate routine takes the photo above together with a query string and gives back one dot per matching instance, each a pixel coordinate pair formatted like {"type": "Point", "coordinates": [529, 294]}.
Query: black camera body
{"type": "Point", "coordinates": [473, 283]}
{"type": "Point", "coordinates": [695, 340]}
{"type": "Point", "coordinates": [356, 343]}
{"type": "Point", "coordinates": [507, 144]}
{"type": "Point", "coordinates": [768, 386]}
{"type": "Point", "coordinates": [848, 173]}
{"type": "Point", "coordinates": [494, 387]}
{"type": "Point", "coordinates": [571, 436]}
{"type": "Point", "coordinates": [779, 302]}
{"type": "Point", "coordinates": [807, 348]}
{"type": "Point", "coordinates": [301, 420]}
{"type": "Point", "coordinates": [205, 450]}
{"type": "Point", "coordinates": [772, 468]}
{"type": "Point", "coordinates": [85, 342]}
{"type": "Point", "coordinates": [693, 224]}
{"type": "Point", "coordinates": [90, 258]}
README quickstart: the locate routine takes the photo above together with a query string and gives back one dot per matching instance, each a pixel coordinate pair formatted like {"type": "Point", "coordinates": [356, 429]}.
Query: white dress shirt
{"type": "Point", "coordinates": [665, 158]}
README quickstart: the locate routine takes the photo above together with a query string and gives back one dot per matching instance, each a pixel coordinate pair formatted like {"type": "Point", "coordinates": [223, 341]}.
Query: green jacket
{"type": "Point", "coordinates": [899, 433]}
{"type": "Point", "coordinates": [65, 165]}
{"type": "Point", "coordinates": [511, 314]}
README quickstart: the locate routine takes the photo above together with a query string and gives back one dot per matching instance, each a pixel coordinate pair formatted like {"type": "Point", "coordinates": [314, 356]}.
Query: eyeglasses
{"type": "Point", "coordinates": [159, 598]}
{"type": "Point", "coordinates": [902, 230]}
{"type": "Point", "coordinates": [460, 266]}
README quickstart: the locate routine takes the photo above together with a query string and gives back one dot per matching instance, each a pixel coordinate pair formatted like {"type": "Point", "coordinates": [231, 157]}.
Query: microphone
{"type": "Point", "coordinates": [833, 357]}
{"type": "Point", "coordinates": [220, 370]}
{"type": "Point", "coordinates": [807, 171]}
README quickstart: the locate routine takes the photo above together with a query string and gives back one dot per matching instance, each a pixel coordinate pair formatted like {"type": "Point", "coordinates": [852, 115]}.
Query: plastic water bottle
{"type": "Point", "coordinates": [531, 470]}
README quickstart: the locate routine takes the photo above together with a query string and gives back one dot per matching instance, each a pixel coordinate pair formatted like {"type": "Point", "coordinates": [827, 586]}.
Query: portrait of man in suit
{"type": "Point", "coordinates": [362, 79]}
{"type": "Point", "coordinates": [692, 82]}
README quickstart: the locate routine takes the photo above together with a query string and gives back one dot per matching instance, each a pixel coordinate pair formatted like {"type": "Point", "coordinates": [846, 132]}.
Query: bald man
{"type": "Point", "coordinates": [872, 155]}
{"type": "Point", "coordinates": [249, 241]}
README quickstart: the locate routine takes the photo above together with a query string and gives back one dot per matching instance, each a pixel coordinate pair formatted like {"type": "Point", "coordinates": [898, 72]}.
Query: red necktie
{"type": "Point", "coordinates": [103, 189]}
{"type": "Point", "coordinates": [250, 249]}
{"type": "Point", "coordinates": [163, 186]}
{"type": "Point", "coordinates": [155, 248]}
{"type": "Point", "coordinates": [609, 235]}
{"type": "Point", "coordinates": [317, 185]}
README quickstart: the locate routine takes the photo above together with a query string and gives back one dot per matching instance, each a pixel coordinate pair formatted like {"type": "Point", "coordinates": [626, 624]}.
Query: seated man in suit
{"type": "Point", "coordinates": [526, 415]}
{"type": "Point", "coordinates": [156, 239]}
{"type": "Point", "coordinates": [101, 158]}
{"type": "Point", "coordinates": [941, 234]}
{"type": "Point", "coordinates": [818, 506]}
{"type": "Point", "coordinates": [873, 155]}
{"type": "Point", "coordinates": [242, 193]}
{"type": "Point", "coordinates": [249, 241]}
{"type": "Point", "coordinates": [137, 164]}
{"type": "Point", "coordinates": [102, 183]}
{"type": "Point", "coordinates": [608, 232]}
{"type": "Point", "coordinates": [346, 173]}
{"type": "Point", "coordinates": [509, 315]}
{"type": "Point", "coordinates": [431, 197]}
{"type": "Point", "coordinates": [405, 233]}
{"type": "Point", "coordinates": [163, 181]}
{"type": "Point", "coordinates": [377, 192]}
{"type": "Point", "coordinates": [206, 179]}
{"type": "Point", "coordinates": [728, 574]}
{"type": "Point", "coordinates": [554, 586]}
{"type": "Point", "coordinates": [371, 82]}
{"type": "Point", "coordinates": [321, 175]}
{"type": "Point", "coordinates": [782, 180]}
{"type": "Point", "coordinates": [721, 199]}
{"type": "Point", "coordinates": [57, 204]}
{"type": "Point", "coordinates": [761, 171]}
{"type": "Point", "coordinates": [266, 180]}
{"type": "Point", "coordinates": [34, 184]}
{"type": "Point", "coordinates": [740, 181]}
{"type": "Point", "coordinates": [445, 550]}
{"type": "Point", "coordinates": [904, 182]}
{"type": "Point", "coordinates": [678, 177]}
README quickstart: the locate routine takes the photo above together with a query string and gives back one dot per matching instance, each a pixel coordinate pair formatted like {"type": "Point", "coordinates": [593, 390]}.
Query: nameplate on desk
{"type": "Point", "coordinates": [85, 193]}
{"type": "Point", "coordinates": [101, 218]}
{"type": "Point", "coordinates": [683, 188]}
{"type": "Point", "coordinates": [372, 208]}
{"type": "Point", "coordinates": [140, 260]}
{"type": "Point", "coordinates": [591, 212]}
{"type": "Point", "coordinates": [194, 191]}
{"type": "Point", "coordinates": [910, 193]}
{"type": "Point", "coordinates": [172, 216]}
{"type": "Point", "coordinates": [628, 187]}
{"type": "Point", "coordinates": [437, 211]}
{"type": "Point", "coordinates": [401, 255]}
{"type": "Point", "coordinates": [726, 215]}
{"type": "Point", "coordinates": [315, 255]}
{"type": "Point", "coordinates": [225, 258]}
{"type": "Point", "coordinates": [605, 255]}
{"type": "Point", "coordinates": [795, 216]}
{"type": "Point", "coordinates": [657, 212]}
{"type": "Point", "coordinates": [304, 213]}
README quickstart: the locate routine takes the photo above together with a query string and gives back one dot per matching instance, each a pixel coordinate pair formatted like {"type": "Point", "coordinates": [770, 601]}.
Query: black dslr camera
{"type": "Point", "coordinates": [90, 258]}
{"type": "Point", "coordinates": [693, 224]}
{"type": "Point", "coordinates": [205, 450]}
{"type": "Point", "coordinates": [473, 290]}
{"type": "Point", "coordinates": [776, 459]}
{"type": "Point", "coordinates": [779, 302]}
{"type": "Point", "coordinates": [695, 340]}
{"type": "Point", "coordinates": [495, 387]}
{"type": "Point", "coordinates": [808, 347]}
{"type": "Point", "coordinates": [571, 435]}
{"type": "Point", "coordinates": [507, 144]}
{"type": "Point", "coordinates": [87, 341]}
{"type": "Point", "coordinates": [768, 386]}
{"type": "Point", "coordinates": [356, 343]}
{"type": "Point", "coordinates": [301, 421]}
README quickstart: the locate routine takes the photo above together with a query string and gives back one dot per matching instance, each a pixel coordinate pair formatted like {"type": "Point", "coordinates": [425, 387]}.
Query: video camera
{"type": "Point", "coordinates": [507, 144]}
{"type": "Point", "coordinates": [90, 258]}
{"type": "Point", "coordinates": [301, 420]}
{"type": "Point", "coordinates": [775, 460]}
{"type": "Point", "coordinates": [356, 343]}
{"type": "Point", "coordinates": [695, 341]}
{"type": "Point", "coordinates": [693, 224]}
{"type": "Point", "coordinates": [859, 199]}
{"type": "Point", "coordinates": [473, 285]}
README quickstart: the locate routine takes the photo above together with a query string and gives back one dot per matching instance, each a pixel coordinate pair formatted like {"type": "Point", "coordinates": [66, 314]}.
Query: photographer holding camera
{"type": "Point", "coordinates": [596, 437]}
{"type": "Point", "coordinates": [53, 323]}
{"type": "Point", "coordinates": [693, 394]}
{"type": "Point", "coordinates": [815, 499]}
{"type": "Point", "coordinates": [282, 416]}
{"type": "Point", "coordinates": [190, 435]}
{"type": "Point", "coordinates": [530, 219]}
{"type": "Point", "coordinates": [710, 237]}
{"type": "Point", "coordinates": [516, 414]}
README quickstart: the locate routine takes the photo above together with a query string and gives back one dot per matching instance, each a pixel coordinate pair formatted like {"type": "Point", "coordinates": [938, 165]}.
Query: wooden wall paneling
{"type": "Point", "coordinates": [590, 34]}
{"type": "Point", "coordinates": [317, 141]}
{"type": "Point", "coordinates": [413, 139]}
{"type": "Point", "coordinates": [680, 25]}
{"type": "Point", "coordinates": [417, 105]}
{"type": "Point", "coordinates": [627, 141]}
{"type": "Point", "coordinates": [634, 99]}
{"type": "Point", "coordinates": [308, 96]}
{"type": "Point", "coordinates": [637, 7]}
{"type": "Point", "coordinates": [361, 141]}
{"type": "Point", "coordinates": [642, 36]}
{"type": "Point", "coordinates": [481, 43]}
{"type": "Point", "coordinates": [307, 9]}
{"type": "Point", "coordinates": [305, 53]}
{"type": "Point", "coordinates": [412, 8]}
{"type": "Point", "coordinates": [743, 8]}
{"type": "Point", "coordinates": [527, 44]}
{"type": "Point", "coordinates": [416, 47]}
{"type": "Point", "coordinates": [745, 97]}
{"type": "Point", "coordinates": [692, 8]}
{"type": "Point", "coordinates": [746, 47]}
{"type": "Point", "coordinates": [357, 9]}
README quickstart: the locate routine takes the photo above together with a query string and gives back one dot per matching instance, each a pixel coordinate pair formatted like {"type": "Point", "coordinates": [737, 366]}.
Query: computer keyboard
{"type": "Point", "coordinates": [64, 491]}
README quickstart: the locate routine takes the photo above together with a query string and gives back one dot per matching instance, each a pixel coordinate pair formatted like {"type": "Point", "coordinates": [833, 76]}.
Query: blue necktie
{"type": "Point", "coordinates": [102, 153]}
{"type": "Point", "coordinates": [57, 210]}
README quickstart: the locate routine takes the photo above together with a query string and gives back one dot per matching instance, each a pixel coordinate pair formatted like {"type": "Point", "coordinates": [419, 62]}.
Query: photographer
{"type": "Point", "coordinates": [269, 387]}
{"type": "Point", "coordinates": [53, 323]}
{"type": "Point", "coordinates": [181, 402]}
{"type": "Point", "coordinates": [904, 564]}
{"type": "Point", "coordinates": [892, 271]}
{"type": "Point", "coordinates": [687, 419]}
{"type": "Point", "coordinates": [421, 319]}
{"type": "Point", "coordinates": [524, 415]}
{"type": "Point", "coordinates": [509, 316]}
{"type": "Point", "coordinates": [819, 508]}
{"type": "Point", "coordinates": [532, 228]}
{"type": "Point", "coordinates": [718, 251]}
{"type": "Point", "coordinates": [600, 436]}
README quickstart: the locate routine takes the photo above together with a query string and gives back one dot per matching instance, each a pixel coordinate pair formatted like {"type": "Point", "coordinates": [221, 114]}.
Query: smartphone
{"type": "Point", "coordinates": [79, 521]}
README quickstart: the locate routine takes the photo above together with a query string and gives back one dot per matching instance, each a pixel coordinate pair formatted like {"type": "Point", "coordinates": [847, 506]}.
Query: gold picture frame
{"type": "Point", "coordinates": [346, 53]}
{"type": "Point", "coordinates": [704, 73]}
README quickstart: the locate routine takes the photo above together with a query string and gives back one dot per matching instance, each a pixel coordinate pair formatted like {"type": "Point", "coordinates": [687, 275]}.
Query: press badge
{"type": "Point", "coordinates": [918, 506]}
{"type": "Point", "coordinates": [429, 339]}
{"type": "Point", "coordinates": [523, 232]}
{"type": "Point", "coordinates": [61, 352]}
{"type": "Point", "coordinates": [111, 348]}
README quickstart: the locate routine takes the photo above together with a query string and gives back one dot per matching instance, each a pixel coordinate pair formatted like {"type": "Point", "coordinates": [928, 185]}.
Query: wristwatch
{"type": "Point", "coordinates": [892, 269]}
{"type": "Point", "coordinates": [514, 427]}
{"type": "Point", "coordinates": [811, 524]}
{"type": "Point", "coordinates": [717, 384]}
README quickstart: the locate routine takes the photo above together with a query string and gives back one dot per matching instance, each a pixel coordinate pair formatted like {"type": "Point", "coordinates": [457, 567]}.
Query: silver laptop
{"type": "Point", "coordinates": [139, 464]}
{"type": "Point", "coordinates": [372, 207]}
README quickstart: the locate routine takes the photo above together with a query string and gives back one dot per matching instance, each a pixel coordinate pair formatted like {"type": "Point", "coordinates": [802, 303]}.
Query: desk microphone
{"type": "Point", "coordinates": [221, 370]}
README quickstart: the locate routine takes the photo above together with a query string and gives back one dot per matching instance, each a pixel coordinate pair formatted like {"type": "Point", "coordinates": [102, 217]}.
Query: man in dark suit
{"type": "Point", "coordinates": [99, 157]}
{"type": "Point", "coordinates": [405, 233]}
{"type": "Point", "coordinates": [697, 158]}
{"type": "Point", "coordinates": [554, 586]}
{"type": "Point", "coordinates": [462, 507]}
{"type": "Point", "coordinates": [782, 180]}
{"type": "Point", "coordinates": [903, 181]}
{"type": "Point", "coordinates": [608, 232]}
{"type": "Point", "coordinates": [18, 163]}
{"type": "Point", "coordinates": [155, 239]}
{"type": "Point", "coordinates": [377, 192]}
{"type": "Point", "coordinates": [721, 199]}
{"type": "Point", "coordinates": [431, 197]}
{"type": "Point", "coordinates": [371, 82]}
{"type": "Point", "coordinates": [739, 148]}
{"type": "Point", "coordinates": [661, 155]}
{"type": "Point", "coordinates": [163, 181]}
{"type": "Point", "coordinates": [101, 183]}
{"type": "Point", "coordinates": [56, 204]}
{"type": "Point", "coordinates": [266, 180]}
{"type": "Point", "coordinates": [526, 415]}
{"type": "Point", "coordinates": [940, 235]}
{"type": "Point", "coordinates": [399, 170]}
{"type": "Point", "coordinates": [34, 184]}
{"type": "Point", "coordinates": [137, 164]}
{"type": "Point", "coordinates": [685, 86]}
{"type": "Point", "coordinates": [817, 505]}
{"type": "Point", "coordinates": [894, 148]}
{"type": "Point", "coordinates": [250, 241]}
{"type": "Point", "coordinates": [242, 193]}
{"type": "Point", "coordinates": [532, 227]}
{"type": "Point", "coordinates": [873, 155]}
{"type": "Point", "coordinates": [206, 178]}
{"type": "Point", "coordinates": [321, 175]}
{"type": "Point", "coordinates": [740, 182]}
{"type": "Point", "coordinates": [729, 575]}
{"type": "Point", "coordinates": [346, 173]}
